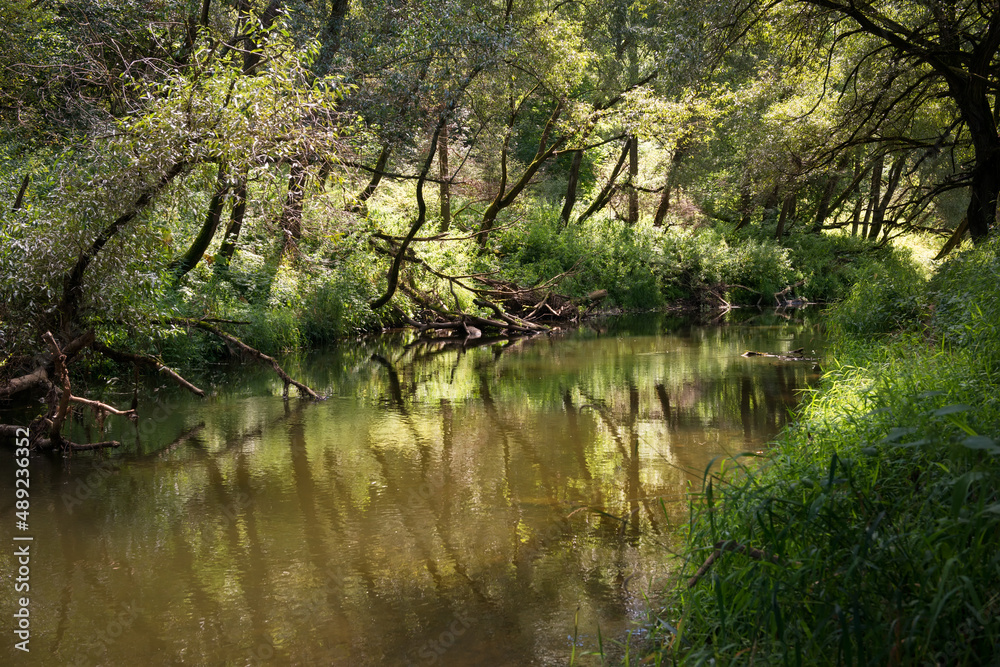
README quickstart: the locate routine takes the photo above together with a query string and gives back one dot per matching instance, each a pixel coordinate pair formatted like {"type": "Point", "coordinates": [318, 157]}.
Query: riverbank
{"type": "Point", "coordinates": [870, 534]}
{"type": "Point", "coordinates": [324, 297]}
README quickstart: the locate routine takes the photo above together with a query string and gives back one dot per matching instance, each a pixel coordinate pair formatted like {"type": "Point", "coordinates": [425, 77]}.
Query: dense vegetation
{"type": "Point", "coordinates": [182, 180]}
{"type": "Point", "coordinates": [301, 171]}
{"type": "Point", "coordinates": [871, 535]}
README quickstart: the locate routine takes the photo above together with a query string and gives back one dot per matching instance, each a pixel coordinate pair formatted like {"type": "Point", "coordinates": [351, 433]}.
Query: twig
{"type": "Point", "coordinates": [729, 545]}
{"type": "Point", "coordinates": [103, 407]}
{"type": "Point", "coordinates": [58, 358]}
{"type": "Point", "coordinates": [128, 357]}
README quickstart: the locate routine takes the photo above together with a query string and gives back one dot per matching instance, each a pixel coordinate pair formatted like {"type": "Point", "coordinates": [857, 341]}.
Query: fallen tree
{"type": "Point", "coordinates": [52, 373]}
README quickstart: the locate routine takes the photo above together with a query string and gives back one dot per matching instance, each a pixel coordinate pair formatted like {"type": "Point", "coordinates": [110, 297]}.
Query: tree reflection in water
{"type": "Point", "coordinates": [447, 505]}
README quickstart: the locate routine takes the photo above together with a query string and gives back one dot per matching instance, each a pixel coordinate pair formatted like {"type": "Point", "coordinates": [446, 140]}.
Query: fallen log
{"type": "Point", "coordinates": [40, 376]}
{"type": "Point", "coordinates": [794, 355]}
{"type": "Point", "coordinates": [734, 546]}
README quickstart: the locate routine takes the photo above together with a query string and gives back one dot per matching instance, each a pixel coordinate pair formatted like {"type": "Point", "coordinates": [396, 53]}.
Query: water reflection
{"type": "Point", "coordinates": [447, 505]}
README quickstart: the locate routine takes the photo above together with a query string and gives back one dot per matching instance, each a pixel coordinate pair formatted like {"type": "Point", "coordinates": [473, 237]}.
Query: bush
{"type": "Point", "coordinates": [967, 301]}
{"type": "Point", "coordinates": [643, 267]}
{"type": "Point", "coordinates": [607, 255]}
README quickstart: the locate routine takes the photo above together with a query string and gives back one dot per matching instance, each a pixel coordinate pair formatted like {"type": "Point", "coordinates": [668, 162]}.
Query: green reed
{"type": "Point", "coordinates": [871, 534]}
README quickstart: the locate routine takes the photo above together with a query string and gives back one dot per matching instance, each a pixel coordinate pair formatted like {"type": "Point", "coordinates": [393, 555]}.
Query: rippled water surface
{"type": "Point", "coordinates": [446, 505]}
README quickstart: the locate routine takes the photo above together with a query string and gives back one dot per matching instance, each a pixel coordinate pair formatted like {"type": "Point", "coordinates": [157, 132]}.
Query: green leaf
{"type": "Point", "coordinates": [951, 409]}
{"type": "Point", "coordinates": [916, 443]}
{"type": "Point", "coordinates": [898, 432]}
{"type": "Point", "coordinates": [981, 442]}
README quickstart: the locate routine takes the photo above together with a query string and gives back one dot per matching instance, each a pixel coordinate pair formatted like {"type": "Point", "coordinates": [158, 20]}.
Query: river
{"type": "Point", "coordinates": [508, 504]}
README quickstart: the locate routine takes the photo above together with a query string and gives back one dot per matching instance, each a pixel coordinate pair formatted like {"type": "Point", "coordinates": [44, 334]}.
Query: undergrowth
{"type": "Point", "coordinates": [876, 518]}
{"type": "Point", "coordinates": [320, 293]}
{"type": "Point", "coordinates": [644, 267]}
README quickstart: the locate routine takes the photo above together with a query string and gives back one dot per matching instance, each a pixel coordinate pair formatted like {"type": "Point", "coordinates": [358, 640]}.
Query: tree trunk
{"type": "Point", "coordinates": [19, 200]}
{"type": "Point", "coordinates": [770, 209]}
{"type": "Point", "coordinates": [251, 53]}
{"type": "Point", "coordinates": [982, 212]}
{"type": "Point", "coordinates": [787, 209]}
{"type": "Point", "coordinates": [366, 194]}
{"type": "Point", "coordinates": [331, 36]}
{"type": "Point", "coordinates": [505, 197]}
{"type": "Point", "coordinates": [874, 193]}
{"type": "Point", "coordinates": [664, 205]}
{"type": "Point", "coordinates": [445, 190]}
{"type": "Point", "coordinates": [856, 217]}
{"type": "Point", "coordinates": [823, 209]}
{"type": "Point", "coordinates": [605, 194]}
{"type": "Point", "coordinates": [393, 276]}
{"type": "Point", "coordinates": [746, 210]}
{"type": "Point", "coordinates": [291, 215]}
{"type": "Point", "coordinates": [974, 106]}
{"type": "Point", "coordinates": [73, 281]}
{"type": "Point", "coordinates": [571, 185]}
{"type": "Point", "coordinates": [181, 266]}
{"type": "Point", "coordinates": [882, 204]}
{"type": "Point", "coordinates": [232, 235]}
{"type": "Point", "coordinates": [633, 177]}
{"type": "Point", "coordinates": [633, 155]}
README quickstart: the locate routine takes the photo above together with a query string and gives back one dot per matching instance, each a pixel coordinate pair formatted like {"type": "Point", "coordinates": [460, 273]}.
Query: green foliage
{"type": "Point", "coordinates": [643, 267]}
{"type": "Point", "coordinates": [747, 271]}
{"type": "Point", "coordinates": [967, 301]}
{"type": "Point", "coordinates": [887, 295]}
{"type": "Point", "coordinates": [877, 516]}
{"type": "Point", "coordinates": [603, 254]}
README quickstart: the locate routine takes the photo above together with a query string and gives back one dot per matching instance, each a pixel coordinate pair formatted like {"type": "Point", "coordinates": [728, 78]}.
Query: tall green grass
{"type": "Point", "coordinates": [877, 516]}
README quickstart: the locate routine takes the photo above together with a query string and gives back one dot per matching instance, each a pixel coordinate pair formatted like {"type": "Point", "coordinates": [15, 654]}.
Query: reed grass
{"type": "Point", "coordinates": [871, 535]}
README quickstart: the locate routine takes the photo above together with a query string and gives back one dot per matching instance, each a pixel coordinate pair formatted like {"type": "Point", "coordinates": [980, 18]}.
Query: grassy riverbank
{"type": "Point", "coordinates": [871, 534]}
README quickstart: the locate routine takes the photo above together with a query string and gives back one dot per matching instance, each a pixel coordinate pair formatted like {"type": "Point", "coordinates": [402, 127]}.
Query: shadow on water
{"type": "Point", "coordinates": [448, 504]}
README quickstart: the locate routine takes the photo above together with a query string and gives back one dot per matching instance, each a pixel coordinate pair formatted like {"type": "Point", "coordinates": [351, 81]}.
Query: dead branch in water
{"type": "Point", "coordinates": [144, 360]}
{"type": "Point", "coordinates": [256, 354]}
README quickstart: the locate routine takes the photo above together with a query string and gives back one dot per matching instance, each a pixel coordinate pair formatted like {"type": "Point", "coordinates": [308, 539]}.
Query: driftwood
{"type": "Point", "coordinates": [794, 355]}
{"type": "Point", "coordinates": [516, 310]}
{"type": "Point", "coordinates": [47, 431]}
{"type": "Point", "coordinates": [61, 397]}
{"type": "Point", "coordinates": [144, 360]}
{"type": "Point", "coordinates": [40, 376]}
{"type": "Point", "coordinates": [782, 297]}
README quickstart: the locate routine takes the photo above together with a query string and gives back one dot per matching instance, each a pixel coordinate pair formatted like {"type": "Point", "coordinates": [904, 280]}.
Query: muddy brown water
{"type": "Point", "coordinates": [500, 505]}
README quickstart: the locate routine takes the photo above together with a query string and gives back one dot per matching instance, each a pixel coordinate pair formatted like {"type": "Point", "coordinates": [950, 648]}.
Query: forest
{"type": "Point", "coordinates": [186, 182]}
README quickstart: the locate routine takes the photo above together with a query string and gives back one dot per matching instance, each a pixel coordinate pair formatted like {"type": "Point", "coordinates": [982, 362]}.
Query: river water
{"type": "Point", "coordinates": [508, 504]}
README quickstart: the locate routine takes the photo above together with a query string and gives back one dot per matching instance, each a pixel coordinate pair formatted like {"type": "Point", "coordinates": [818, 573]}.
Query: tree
{"type": "Point", "coordinates": [955, 44]}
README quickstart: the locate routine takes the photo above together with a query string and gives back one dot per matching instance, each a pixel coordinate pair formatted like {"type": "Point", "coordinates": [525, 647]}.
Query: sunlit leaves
{"type": "Point", "coordinates": [216, 113]}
